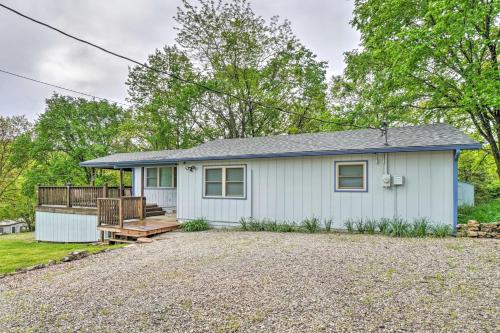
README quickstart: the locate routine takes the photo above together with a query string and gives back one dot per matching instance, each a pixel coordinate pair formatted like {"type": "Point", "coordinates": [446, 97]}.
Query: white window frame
{"type": "Point", "coordinates": [158, 177]}
{"type": "Point", "coordinates": [338, 164]}
{"type": "Point", "coordinates": [223, 181]}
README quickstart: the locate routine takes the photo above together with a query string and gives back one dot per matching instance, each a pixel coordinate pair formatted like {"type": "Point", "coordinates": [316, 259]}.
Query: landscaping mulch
{"type": "Point", "coordinates": [231, 281]}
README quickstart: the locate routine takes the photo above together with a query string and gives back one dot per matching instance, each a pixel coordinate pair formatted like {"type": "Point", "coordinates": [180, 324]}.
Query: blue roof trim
{"type": "Point", "coordinates": [290, 154]}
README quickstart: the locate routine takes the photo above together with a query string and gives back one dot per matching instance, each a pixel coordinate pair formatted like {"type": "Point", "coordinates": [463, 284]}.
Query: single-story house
{"type": "Point", "coordinates": [332, 175]}
{"type": "Point", "coordinates": [12, 227]}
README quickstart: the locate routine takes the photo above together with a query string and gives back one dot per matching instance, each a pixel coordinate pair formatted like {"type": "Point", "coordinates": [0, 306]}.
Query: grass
{"type": "Point", "coordinates": [21, 251]}
{"type": "Point", "coordinates": [483, 213]}
{"type": "Point", "coordinates": [199, 224]}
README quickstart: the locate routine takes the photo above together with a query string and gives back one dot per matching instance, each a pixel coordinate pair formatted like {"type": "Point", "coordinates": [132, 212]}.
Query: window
{"type": "Point", "coordinates": [224, 182]}
{"type": "Point", "coordinates": [160, 177]}
{"type": "Point", "coordinates": [13, 230]}
{"type": "Point", "coordinates": [351, 176]}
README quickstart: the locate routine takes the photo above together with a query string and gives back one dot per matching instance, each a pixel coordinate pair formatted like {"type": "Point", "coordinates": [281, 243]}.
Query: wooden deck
{"type": "Point", "coordinates": [143, 228]}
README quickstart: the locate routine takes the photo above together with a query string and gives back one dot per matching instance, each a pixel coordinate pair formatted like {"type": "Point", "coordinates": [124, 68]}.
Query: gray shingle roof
{"type": "Point", "coordinates": [414, 138]}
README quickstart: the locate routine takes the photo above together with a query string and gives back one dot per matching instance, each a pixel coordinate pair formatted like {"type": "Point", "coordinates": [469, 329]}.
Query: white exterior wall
{"type": "Point", "coordinates": [66, 228]}
{"type": "Point", "coordinates": [163, 197]}
{"type": "Point", "coordinates": [7, 229]}
{"type": "Point", "coordinates": [296, 188]}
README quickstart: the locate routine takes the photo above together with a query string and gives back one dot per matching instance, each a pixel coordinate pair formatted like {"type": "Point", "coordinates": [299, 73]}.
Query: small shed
{"type": "Point", "coordinates": [12, 227]}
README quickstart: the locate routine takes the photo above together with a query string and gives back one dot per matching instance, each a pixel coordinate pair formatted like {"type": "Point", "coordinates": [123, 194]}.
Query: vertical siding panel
{"type": "Point", "coordinates": [288, 193]}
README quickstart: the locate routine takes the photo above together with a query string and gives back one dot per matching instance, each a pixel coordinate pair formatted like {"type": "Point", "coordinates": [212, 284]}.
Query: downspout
{"type": "Point", "coordinates": [456, 156]}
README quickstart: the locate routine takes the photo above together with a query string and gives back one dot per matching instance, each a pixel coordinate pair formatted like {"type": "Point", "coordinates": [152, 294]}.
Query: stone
{"type": "Point", "coordinates": [472, 233]}
{"type": "Point", "coordinates": [143, 240]}
{"type": "Point", "coordinates": [481, 234]}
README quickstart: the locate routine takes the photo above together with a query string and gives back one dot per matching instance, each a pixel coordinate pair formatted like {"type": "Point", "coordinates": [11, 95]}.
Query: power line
{"type": "Point", "coordinates": [215, 90]}
{"type": "Point", "coordinates": [59, 87]}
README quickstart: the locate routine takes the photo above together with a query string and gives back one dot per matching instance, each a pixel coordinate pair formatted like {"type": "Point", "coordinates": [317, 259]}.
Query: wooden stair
{"type": "Point", "coordinates": [154, 210]}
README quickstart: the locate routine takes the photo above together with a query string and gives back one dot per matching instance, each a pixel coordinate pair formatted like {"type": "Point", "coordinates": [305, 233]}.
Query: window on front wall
{"type": "Point", "coordinates": [351, 176]}
{"type": "Point", "coordinates": [224, 182]}
{"type": "Point", "coordinates": [160, 177]}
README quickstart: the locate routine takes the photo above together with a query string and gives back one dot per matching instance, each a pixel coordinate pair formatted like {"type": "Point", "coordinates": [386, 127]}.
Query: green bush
{"type": "Point", "coordinates": [360, 225]}
{"type": "Point", "coordinates": [198, 224]}
{"type": "Point", "coordinates": [383, 225]}
{"type": "Point", "coordinates": [255, 225]}
{"type": "Point", "coordinates": [328, 224]}
{"type": "Point", "coordinates": [349, 224]}
{"type": "Point", "coordinates": [244, 224]}
{"type": "Point", "coordinates": [370, 226]}
{"type": "Point", "coordinates": [420, 227]}
{"type": "Point", "coordinates": [251, 224]}
{"type": "Point", "coordinates": [269, 225]}
{"type": "Point", "coordinates": [311, 225]}
{"type": "Point", "coordinates": [441, 230]}
{"type": "Point", "coordinates": [399, 227]}
{"type": "Point", "coordinates": [286, 227]}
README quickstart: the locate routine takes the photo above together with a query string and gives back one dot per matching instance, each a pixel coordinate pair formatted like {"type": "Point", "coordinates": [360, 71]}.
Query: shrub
{"type": "Point", "coordinates": [420, 227]}
{"type": "Point", "coordinates": [399, 227]}
{"type": "Point", "coordinates": [198, 224]}
{"type": "Point", "coordinates": [360, 225]}
{"type": "Point", "coordinates": [441, 230]}
{"type": "Point", "coordinates": [286, 227]}
{"type": "Point", "coordinates": [311, 225]}
{"type": "Point", "coordinates": [383, 225]}
{"type": "Point", "coordinates": [255, 225]}
{"type": "Point", "coordinates": [328, 224]}
{"type": "Point", "coordinates": [244, 224]}
{"type": "Point", "coordinates": [370, 226]}
{"type": "Point", "coordinates": [269, 225]}
{"type": "Point", "coordinates": [349, 224]}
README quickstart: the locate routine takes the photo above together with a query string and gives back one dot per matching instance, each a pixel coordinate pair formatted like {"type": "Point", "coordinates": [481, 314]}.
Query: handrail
{"type": "Point", "coordinates": [77, 196]}
{"type": "Point", "coordinates": [114, 211]}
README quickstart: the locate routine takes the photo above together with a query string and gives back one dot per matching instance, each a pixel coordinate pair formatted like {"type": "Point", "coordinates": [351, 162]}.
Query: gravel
{"type": "Point", "coordinates": [259, 282]}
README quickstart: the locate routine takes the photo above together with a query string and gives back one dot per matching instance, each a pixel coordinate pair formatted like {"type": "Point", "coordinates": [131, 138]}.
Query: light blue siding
{"type": "Point", "coordinates": [296, 188]}
{"type": "Point", "coordinates": [465, 194]}
{"type": "Point", "coordinates": [66, 228]}
{"type": "Point", "coordinates": [163, 197]}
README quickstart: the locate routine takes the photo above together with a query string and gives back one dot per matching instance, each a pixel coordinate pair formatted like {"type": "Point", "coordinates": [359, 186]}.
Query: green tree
{"type": "Point", "coordinates": [15, 141]}
{"type": "Point", "coordinates": [73, 130]}
{"type": "Point", "coordinates": [163, 117]}
{"type": "Point", "coordinates": [426, 61]}
{"type": "Point", "coordinates": [259, 63]}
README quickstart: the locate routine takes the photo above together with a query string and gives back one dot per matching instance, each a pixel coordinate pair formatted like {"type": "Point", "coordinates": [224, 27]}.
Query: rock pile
{"type": "Point", "coordinates": [479, 230]}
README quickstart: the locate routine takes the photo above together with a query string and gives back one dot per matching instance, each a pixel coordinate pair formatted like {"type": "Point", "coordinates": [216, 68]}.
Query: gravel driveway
{"type": "Point", "coordinates": [261, 282]}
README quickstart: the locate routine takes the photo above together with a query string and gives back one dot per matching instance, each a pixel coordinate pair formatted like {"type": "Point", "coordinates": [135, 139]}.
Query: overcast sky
{"type": "Point", "coordinates": [134, 28]}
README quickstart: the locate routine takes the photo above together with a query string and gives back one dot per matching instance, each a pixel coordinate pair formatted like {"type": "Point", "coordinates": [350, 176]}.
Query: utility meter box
{"type": "Point", "coordinates": [398, 180]}
{"type": "Point", "coordinates": [386, 180]}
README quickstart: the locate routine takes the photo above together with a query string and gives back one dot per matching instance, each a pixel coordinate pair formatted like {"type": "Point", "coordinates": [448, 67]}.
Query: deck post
{"type": "Point", "coordinates": [121, 182]}
{"type": "Point", "coordinates": [142, 181]}
{"type": "Point", "coordinates": [105, 190]}
{"type": "Point", "coordinates": [68, 195]}
{"type": "Point", "coordinates": [120, 212]}
{"type": "Point", "coordinates": [142, 208]}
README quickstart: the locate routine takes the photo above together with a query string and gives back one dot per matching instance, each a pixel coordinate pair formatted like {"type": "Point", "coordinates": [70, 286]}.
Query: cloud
{"type": "Point", "coordinates": [134, 28]}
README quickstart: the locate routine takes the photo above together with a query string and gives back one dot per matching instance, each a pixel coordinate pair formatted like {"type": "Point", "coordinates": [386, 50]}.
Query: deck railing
{"type": "Point", "coordinates": [77, 196]}
{"type": "Point", "coordinates": [114, 211]}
